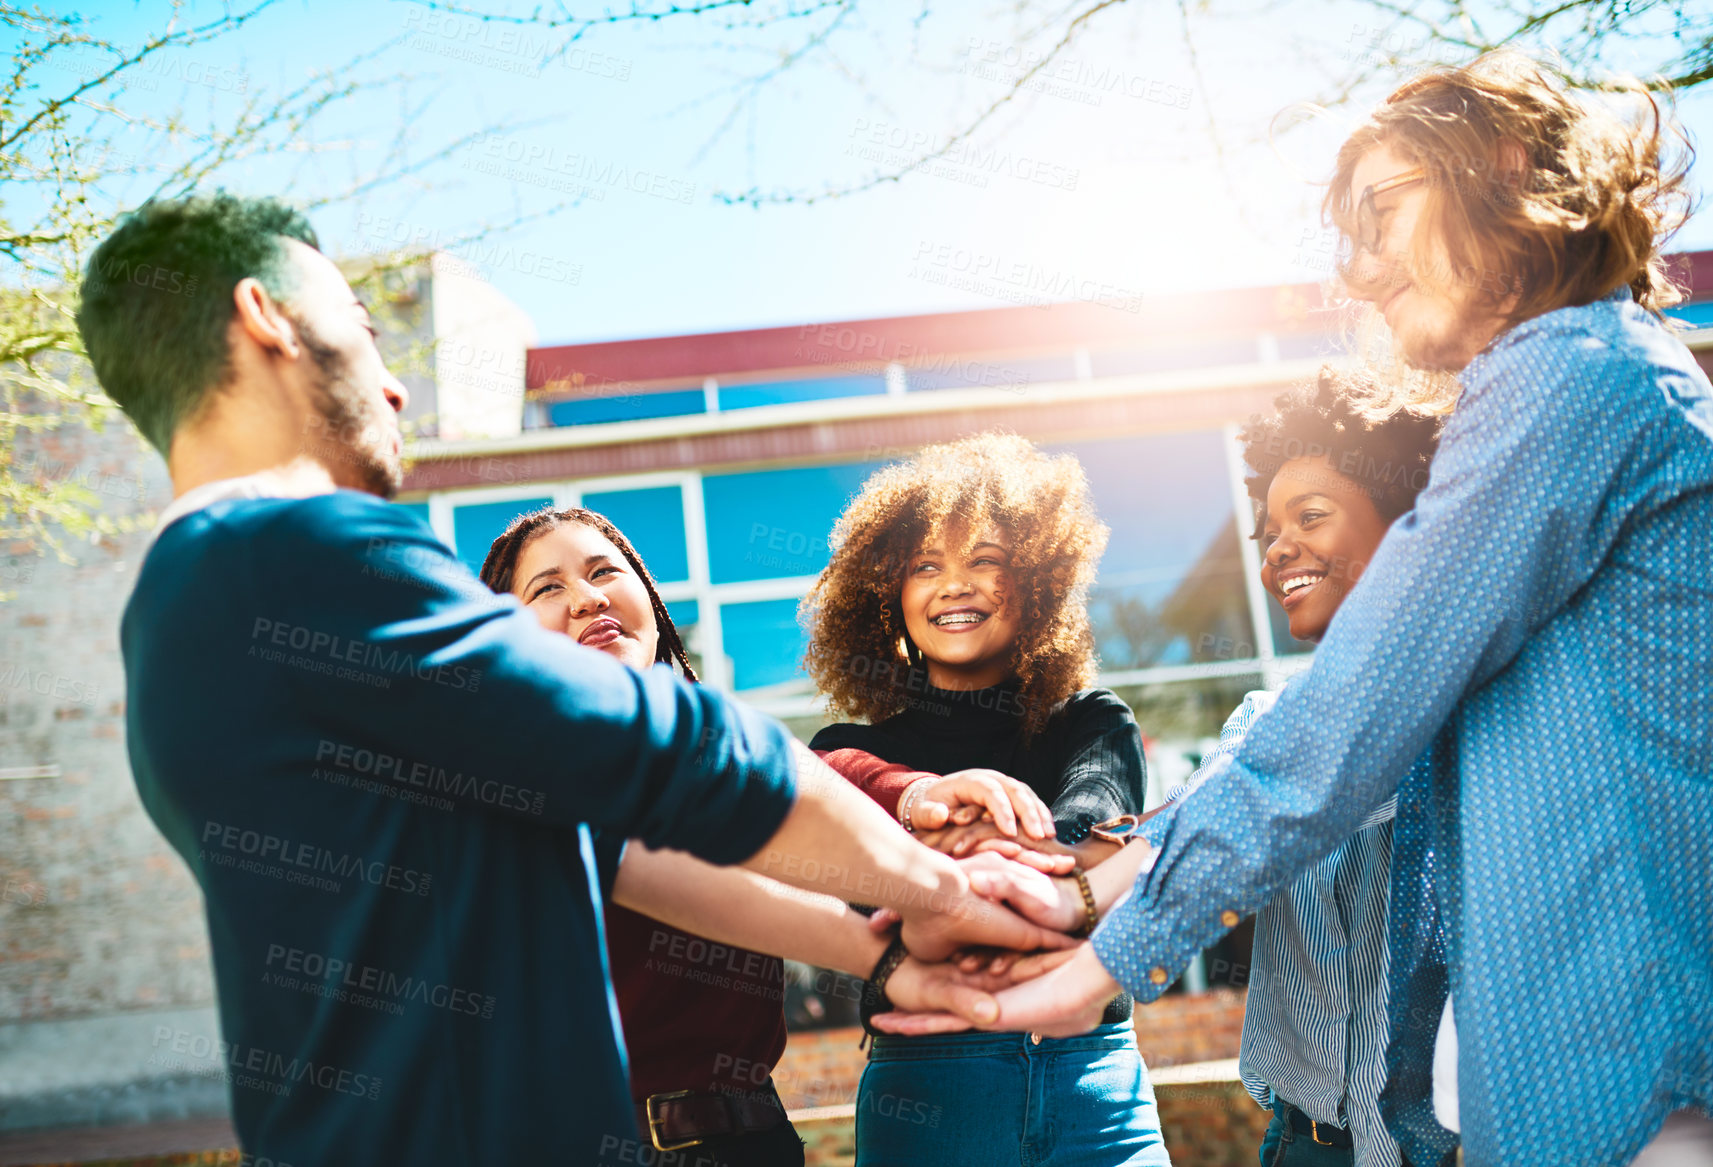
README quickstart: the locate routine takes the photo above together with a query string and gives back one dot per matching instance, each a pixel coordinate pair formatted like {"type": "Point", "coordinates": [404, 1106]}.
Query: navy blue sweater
{"type": "Point", "coordinates": [384, 778]}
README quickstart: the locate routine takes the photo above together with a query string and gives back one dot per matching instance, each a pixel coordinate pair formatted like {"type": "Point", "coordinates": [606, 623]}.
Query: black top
{"type": "Point", "coordinates": [1086, 762]}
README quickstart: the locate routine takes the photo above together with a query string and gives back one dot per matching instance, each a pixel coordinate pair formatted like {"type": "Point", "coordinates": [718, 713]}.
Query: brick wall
{"type": "Point", "coordinates": [96, 912]}
{"type": "Point", "coordinates": [1186, 1028]}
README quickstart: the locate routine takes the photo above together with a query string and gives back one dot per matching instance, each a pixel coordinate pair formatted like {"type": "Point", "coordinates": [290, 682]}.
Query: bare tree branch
{"type": "Point", "coordinates": [755, 198]}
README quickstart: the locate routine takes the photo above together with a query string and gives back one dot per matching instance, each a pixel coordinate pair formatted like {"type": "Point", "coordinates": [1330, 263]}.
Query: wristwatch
{"type": "Point", "coordinates": [1120, 830]}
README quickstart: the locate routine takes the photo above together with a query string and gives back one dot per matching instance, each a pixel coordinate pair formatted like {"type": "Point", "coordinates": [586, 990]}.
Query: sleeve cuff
{"type": "Point", "coordinates": [1142, 950]}
{"type": "Point", "coordinates": [1123, 946]}
{"type": "Point", "coordinates": [766, 798]}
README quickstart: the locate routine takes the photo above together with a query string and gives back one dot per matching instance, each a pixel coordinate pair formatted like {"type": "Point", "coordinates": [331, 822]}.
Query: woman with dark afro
{"type": "Point", "coordinates": [1327, 481]}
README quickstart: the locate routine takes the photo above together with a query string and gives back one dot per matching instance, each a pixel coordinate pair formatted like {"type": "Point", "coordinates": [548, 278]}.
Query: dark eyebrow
{"type": "Point", "coordinates": [1305, 494]}
{"type": "Point", "coordinates": [598, 557]}
{"type": "Point", "coordinates": [995, 546]}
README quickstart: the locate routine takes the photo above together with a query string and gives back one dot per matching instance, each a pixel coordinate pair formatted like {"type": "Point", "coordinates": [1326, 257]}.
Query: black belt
{"type": "Point", "coordinates": [1320, 1132]}
{"type": "Point", "coordinates": [683, 1118]}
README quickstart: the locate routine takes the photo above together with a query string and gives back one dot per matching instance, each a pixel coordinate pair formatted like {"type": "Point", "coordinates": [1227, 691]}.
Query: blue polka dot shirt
{"type": "Point", "coordinates": [1543, 620]}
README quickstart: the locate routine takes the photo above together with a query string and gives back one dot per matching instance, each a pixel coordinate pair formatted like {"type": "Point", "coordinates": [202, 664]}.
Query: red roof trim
{"type": "Point", "coordinates": [862, 345]}
{"type": "Point", "coordinates": [866, 438]}
{"type": "Point", "coordinates": [613, 367]}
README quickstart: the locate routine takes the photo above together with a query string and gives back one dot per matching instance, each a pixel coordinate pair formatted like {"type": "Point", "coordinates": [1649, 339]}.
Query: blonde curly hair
{"type": "Point", "coordinates": [860, 655]}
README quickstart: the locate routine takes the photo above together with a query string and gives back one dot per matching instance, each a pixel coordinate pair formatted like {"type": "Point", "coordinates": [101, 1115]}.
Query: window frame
{"type": "Point", "coordinates": [1273, 669]}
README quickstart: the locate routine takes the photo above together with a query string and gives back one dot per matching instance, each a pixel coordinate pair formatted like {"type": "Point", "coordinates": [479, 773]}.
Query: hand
{"type": "Point", "coordinates": [1063, 1001]}
{"type": "Point", "coordinates": [1034, 895]}
{"type": "Point", "coordinates": [960, 840]}
{"type": "Point", "coordinates": [962, 999]}
{"type": "Point", "coordinates": [948, 922]}
{"type": "Point", "coordinates": [1010, 802]}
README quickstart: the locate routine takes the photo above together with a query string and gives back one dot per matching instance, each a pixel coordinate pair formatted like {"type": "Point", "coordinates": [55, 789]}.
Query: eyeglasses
{"type": "Point", "coordinates": [1368, 215]}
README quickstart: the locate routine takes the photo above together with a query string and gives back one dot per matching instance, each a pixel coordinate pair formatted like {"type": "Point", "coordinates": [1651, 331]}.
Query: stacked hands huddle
{"type": "Point", "coordinates": [1497, 542]}
{"type": "Point", "coordinates": [975, 963]}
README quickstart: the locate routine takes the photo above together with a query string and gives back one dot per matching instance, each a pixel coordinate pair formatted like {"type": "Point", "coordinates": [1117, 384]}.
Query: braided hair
{"type": "Point", "coordinates": [500, 568]}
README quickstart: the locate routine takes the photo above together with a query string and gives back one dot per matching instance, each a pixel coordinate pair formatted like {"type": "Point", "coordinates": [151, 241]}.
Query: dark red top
{"type": "Point", "coordinates": [881, 780]}
{"type": "Point", "coordinates": [704, 1016]}
{"type": "Point", "coordinates": [697, 1015]}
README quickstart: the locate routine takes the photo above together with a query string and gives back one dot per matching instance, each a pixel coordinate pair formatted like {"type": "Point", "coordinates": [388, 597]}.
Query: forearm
{"type": "Point", "coordinates": [1112, 880]}
{"type": "Point", "coordinates": [1092, 852]}
{"type": "Point", "coordinates": [881, 780]}
{"type": "Point", "coordinates": [746, 910]}
{"type": "Point", "coordinates": [836, 840]}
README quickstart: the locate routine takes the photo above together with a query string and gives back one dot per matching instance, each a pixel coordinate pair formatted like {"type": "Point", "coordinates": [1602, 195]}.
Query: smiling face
{"type": "Point", "coordinates": [1322, 529]}
{"type": "Point", "coordinates": [1437, 321]}
{"type": "Point", "coordinates": [578, 583]}
{"type": "Point", "coordinates": [957, 608]}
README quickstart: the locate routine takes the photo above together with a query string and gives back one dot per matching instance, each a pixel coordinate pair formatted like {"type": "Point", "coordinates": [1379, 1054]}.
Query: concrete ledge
{"type": "Point", "coordinates": [106, 1071]}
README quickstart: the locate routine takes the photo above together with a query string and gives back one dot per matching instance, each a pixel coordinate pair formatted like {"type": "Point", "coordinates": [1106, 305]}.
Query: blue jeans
{"type": "Point", "coordinates": [1001, 1100]}
{"type": "Point", "coordinates": [1283, 1146]}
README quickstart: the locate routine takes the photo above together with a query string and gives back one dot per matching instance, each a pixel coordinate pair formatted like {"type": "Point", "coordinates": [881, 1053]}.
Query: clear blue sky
{"type": "Point", "coordinates": [1106, 181]}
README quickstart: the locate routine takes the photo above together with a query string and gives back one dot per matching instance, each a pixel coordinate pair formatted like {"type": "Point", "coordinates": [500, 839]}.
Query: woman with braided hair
{"type": "Point", "coordinates": [712, 1025]}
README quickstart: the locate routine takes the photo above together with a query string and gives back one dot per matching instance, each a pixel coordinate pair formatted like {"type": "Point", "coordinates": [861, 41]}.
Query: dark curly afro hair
{"type": "Point", "coordinates": [859, 654]}
{"type": "Point", "coordinates": [1389, 458]}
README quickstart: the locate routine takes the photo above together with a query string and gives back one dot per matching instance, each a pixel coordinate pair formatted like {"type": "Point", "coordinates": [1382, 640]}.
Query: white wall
{"type": "Point", "coordinates": [480, 338]}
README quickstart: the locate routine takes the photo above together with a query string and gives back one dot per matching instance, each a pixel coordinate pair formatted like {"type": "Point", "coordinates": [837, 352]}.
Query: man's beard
{"type": "Point", "coordinates": [347, 420]}
{"type": "Point", "coordinates": [1445, 350]}
{"type": "Point", "coordinates": [1449, 346]}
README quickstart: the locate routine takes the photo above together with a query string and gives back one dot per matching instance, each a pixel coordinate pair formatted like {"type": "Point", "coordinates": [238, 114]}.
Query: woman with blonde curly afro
{"type": "Point", "coordinates": [952, 621]}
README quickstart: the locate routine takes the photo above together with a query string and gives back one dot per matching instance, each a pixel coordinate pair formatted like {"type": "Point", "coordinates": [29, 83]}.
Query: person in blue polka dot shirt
{"type": "Point", "coordinates": [1542, 621]}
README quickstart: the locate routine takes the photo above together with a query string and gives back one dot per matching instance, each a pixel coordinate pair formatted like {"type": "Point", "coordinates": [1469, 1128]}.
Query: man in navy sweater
{"type": "Point", "coordinates": [385, 778]}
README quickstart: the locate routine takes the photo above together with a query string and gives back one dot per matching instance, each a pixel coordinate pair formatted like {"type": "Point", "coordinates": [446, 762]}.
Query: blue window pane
{"type": "Point", "coordinates": [771, 524]}
{"type": "Point", "coordinates": [476, 525]}
{"type": "Point", "coordinates": [1171, 586]}
{"type": "Point", "coordinates": [780, 392]}
{"type": "Point", "coordinates": [653, 521]}
{"type": "Point", "coordinates": [1699, 315]}
{"type": "Point", "coordinates": [763, 642]}
{"type": "Point", "coordinates": [635, 407]}
{"type": "Point", "coordinates": [685, 615]}
{"type": "Point", "coordinates": [966, 372]}
{"type": "Point", "coordinates": [1182, 355]}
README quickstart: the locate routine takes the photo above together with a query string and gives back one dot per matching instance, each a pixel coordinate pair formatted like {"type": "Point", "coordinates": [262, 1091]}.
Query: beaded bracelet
{"type": "Point", "coordinates": [1091, 917]}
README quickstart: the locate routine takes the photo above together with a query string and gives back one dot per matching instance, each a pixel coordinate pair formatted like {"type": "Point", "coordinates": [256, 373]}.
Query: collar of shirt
{"type": "Point", "coordinates": [1470, 373]}
{"type": "Point", "coordinates": [262, 484]}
